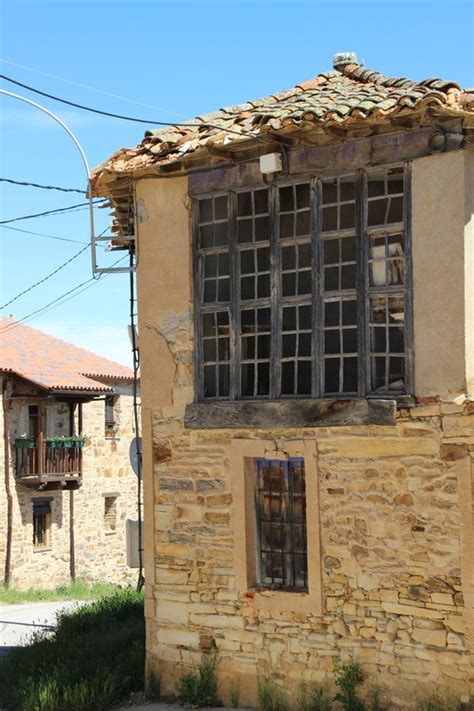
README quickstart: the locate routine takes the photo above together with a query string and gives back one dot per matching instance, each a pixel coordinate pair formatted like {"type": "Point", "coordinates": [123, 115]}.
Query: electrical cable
{"type": "Point", "coordinates": [92, 88]}
{"type": "Point", "coordinates": [136, 365]}
{"type": "Point", "coordinates": [48, 276]}
{"type": "Point", "coordinates": [46, 307]}
{"type": "Point", "coordinates": [53, 212]}
{"type": "Point", "coordinates": [41, 234]}
{"type": "Point", "coordinates": [43, 187]}
{"type": "Point", "coordinates": [203, 124]}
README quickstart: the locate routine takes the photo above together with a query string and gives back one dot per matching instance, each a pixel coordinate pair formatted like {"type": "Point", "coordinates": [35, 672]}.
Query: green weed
{"type": "Point", "coordinates": [315, 698]}
{"type": "Point", "coordinates": [270, 696]}
{"type": "Point", "coordinates": [348, 678]}
{"type": "Point", "coordinates": [201, 688]}
{"type": "Point", "coordinates": [234, 693]}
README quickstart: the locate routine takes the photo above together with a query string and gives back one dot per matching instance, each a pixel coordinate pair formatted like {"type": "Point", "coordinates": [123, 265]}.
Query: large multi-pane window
{"type": "Point", "coordinates": [302, 288]}
{"type": "Point", "coordinates": [280, 497]}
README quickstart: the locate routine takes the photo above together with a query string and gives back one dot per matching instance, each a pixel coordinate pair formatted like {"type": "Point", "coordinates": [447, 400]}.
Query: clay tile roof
{"type": "Point", "coordinates": [348, 95]}
{"type": "Point", "coordinates": [54, 364]}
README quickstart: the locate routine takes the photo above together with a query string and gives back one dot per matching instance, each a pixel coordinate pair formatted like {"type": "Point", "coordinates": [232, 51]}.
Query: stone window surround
{"type": "Point", "coordinates": [243, 452]}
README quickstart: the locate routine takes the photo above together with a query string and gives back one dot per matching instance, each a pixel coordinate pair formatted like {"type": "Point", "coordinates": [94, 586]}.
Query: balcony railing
{"type": "Point", "coordinates": [49, 463]}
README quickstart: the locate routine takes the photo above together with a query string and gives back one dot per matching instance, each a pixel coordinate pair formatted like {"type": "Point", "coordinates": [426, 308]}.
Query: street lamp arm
{"type": "Point", "coordinates": [83, 156]}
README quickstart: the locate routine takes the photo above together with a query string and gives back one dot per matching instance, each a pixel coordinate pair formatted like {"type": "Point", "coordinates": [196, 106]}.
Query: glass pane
{"type": "Point", "coordinates": [220, 208]}
{"type": "Point", "coordinates": [205, 210]}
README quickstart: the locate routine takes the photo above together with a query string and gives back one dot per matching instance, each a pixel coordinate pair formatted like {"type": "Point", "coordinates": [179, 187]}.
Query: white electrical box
{"type": "Point", "coordinates": [133, 558]}
{"type": "Point", "coordinates": [271, 163]}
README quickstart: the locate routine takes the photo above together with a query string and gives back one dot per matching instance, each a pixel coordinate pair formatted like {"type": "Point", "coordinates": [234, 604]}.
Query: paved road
{"type": "Point", "coordinates": [19, 622]}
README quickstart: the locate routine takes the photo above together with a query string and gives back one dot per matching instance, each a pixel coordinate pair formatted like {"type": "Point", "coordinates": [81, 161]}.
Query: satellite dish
{"type": "Point", "coordinates": [135, 453]}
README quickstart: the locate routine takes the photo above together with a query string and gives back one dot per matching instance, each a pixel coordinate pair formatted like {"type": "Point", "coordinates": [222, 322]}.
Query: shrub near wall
{"type": "Point", "coordinates": [93, 660]}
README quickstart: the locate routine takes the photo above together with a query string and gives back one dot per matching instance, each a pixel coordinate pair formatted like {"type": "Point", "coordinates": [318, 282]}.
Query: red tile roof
{"type": "Point", "coordinates": [347, 96]}
{"type": "Point", "coordinates": [54, 364]}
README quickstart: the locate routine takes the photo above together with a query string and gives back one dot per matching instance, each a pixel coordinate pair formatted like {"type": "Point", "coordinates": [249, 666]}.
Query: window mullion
{"type": "Point", "coordinates": [408, 283]}
{"type": "Point", "coordinates": [318, 310]}
{"type": "Point", "coordinates": [362, 290]}
{"type": "Point", "coordinates": [275, 297]}
{"type": "Point", "coordinates": [234, 320]}
{"type": "Point", "coordinates": [197, 282]}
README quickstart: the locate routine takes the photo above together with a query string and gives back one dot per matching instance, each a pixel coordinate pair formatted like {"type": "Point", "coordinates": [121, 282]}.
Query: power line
{"type": "Point", "coordinates": [95, 281]}
{"type": "Point", "coordinates": [91, 88]}
{"type": "Point", "coordinates": [43, 187]}
{"type": "Point", "coordinates": [41, 234]}
{"type": "Point", "coordinates": [48, 276]}
{"type": "Point", "coordinates": [203, 124]}
{"type": "Point", "coordinates": [60, 298]}
{"type": "Point", "coordinates": [53, 212]}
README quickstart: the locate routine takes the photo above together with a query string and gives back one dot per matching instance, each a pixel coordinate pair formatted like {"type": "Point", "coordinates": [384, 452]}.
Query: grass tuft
{"type": "Point", "coordinates": [93, 660]}
{"type": "Point", "coordinates": [76, 590]}
{"type": "Point", "coordinates": [270, 696]}
{"type": "Point", "coordinates": [201, 688]}
{"type": "Point", "coordinates": [316, 698]}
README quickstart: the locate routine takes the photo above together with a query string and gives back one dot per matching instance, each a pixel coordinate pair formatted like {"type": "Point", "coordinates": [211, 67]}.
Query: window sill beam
{"type": "Point", "coordinates": [270, 414]}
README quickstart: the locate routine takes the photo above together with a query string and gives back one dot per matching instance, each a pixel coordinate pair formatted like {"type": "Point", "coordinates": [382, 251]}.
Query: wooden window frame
{"type": "Point", "coordinates": [47, 515]}
{"type": "Point", "coordinates": [286, 523]}
{"type": "Point", "coordinates": [110, 425]}
{"type": "Point", "coordinates": [362, 292]}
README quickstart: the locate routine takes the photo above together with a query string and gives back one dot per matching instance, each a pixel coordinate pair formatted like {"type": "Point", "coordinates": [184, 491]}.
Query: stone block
{"type": "Point", "coordinates": [217, 621]}
{"type": "Point", "coordinates": [177, 638]}
{"type": "Point", "coordinates": [432, 638]}
{"type": "Point", "coordinates": [176, 612]}
{"type": "Point", "coordinates": [455, 623]}
{"type": "Point", "coordinates": [172, 576]}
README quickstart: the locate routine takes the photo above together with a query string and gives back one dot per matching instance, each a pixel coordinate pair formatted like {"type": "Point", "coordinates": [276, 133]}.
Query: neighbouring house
{"type": "Point", "coordinates": [305, 268]}
{"type": "Point", "coordinates": [67, 486]}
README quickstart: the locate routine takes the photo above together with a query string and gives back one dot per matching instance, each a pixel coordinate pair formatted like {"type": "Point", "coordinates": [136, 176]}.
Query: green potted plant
{"type": "Point", "coordinates": [25, 442]}
{"type": "Point", "coordinates": [54, 442]}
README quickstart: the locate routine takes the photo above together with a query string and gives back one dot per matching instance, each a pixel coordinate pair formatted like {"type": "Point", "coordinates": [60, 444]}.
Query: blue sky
{"type": "Point", "coordinates": [167, 61]}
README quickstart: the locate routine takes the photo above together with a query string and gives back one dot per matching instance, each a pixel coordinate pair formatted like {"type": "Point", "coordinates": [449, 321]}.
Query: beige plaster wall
{"type": "Point", "coordinates": [100, 553]}
{"type": "Point", "coordinates": [395, 581]}
{"type": "Point", "coordinates": [469, 268]}
{"type": "Point", "coordinates": [443, 273]}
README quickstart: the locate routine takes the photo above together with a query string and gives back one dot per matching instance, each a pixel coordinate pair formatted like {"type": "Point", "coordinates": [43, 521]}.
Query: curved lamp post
{"type": "Point", "coordinates": [84, 160]}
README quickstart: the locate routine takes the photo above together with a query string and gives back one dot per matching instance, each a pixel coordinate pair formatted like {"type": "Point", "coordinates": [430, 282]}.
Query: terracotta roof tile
{"type": "Point", "coordinates": [350, 93]}
{"type": "Point", "coordinates": [52, 363]}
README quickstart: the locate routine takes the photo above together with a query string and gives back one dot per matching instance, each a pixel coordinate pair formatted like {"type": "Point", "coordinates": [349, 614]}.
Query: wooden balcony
{"type": "Point", "coordinates": [44, 465]}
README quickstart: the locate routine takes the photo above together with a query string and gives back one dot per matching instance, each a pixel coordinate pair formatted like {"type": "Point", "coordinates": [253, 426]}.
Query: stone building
{"type": "Point", "coordinates": [67, 486]}
{"type": "Point", "coordinates": [305, 268]}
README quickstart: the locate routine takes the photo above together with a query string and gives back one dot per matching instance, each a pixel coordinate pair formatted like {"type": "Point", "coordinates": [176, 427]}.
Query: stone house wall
{"type": "Point", "coordinates": [100, 552]}
{"type": "Point", "coordinates": [393, 505]}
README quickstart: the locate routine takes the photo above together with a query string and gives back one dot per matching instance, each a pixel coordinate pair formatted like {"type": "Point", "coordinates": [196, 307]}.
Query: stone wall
{"type": "Point", "coordinates": [395, 513]}
{"type": "Point", "coordinates": [395, 587]}
{"type": "Point", "coordinates": [100, 552]}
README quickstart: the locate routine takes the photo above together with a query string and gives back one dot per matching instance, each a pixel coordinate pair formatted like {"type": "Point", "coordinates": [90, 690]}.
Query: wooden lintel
{"type": "Point", "coordinates": [289, 413]}
{"type": "Point", "coordinates": [221, 152]}
{"type": "Point", "coordinates": [377, 150]}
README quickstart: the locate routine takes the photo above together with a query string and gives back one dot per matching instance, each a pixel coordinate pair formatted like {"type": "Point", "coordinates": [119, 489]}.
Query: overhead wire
{"type": "Point", "coordinates": [60, 298]}
{"type": "Point", "coordinates": [41, 234]}
{"type": "Point", "coordinates": [136, 418]}
{"type": "Point", "coordinates": [43, 187]}
{"type": "Point", "coordinates": [44, 279]}
{"type": "Point", "coordinates": [175, 124]}
{"type": "Point", "coordinates": [91, 88]}
{"type": "Point", "coordinates": [59, 210]}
